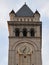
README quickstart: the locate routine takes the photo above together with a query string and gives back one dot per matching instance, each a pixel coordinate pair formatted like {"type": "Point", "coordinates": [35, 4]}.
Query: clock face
{"type": "Point", "coordinates": [24, 49]}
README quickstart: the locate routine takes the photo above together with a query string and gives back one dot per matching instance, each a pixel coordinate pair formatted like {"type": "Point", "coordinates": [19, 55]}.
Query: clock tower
{"type": "Point", "coordinates": [25, 37]}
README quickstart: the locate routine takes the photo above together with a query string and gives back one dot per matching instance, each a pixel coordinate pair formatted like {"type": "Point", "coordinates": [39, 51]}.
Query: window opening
{"type": "Point", "coordinates": [24, 32]}
{"type": "Point", "coordinates": [16, 32]}
{"type": "Point", "coordinates": [32, 32]}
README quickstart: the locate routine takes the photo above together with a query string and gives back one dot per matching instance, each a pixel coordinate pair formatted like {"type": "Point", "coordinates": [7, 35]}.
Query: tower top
{"type": "Point", "coordinates": [25, 37]}
{"type": "Point", "coordinates": [25, 11]}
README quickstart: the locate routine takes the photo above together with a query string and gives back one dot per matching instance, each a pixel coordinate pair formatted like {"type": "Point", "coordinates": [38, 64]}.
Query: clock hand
{"type": "Point", "coordinates": [24, 49]}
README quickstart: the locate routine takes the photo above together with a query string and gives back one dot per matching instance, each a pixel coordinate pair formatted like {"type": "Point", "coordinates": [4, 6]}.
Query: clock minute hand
{"type": "Point", "coordinates": [24, 49]}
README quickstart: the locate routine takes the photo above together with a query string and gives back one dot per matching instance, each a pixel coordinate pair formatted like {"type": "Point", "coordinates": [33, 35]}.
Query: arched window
{"type": "Point", "coordinates": [24, 32]}
{"type": "Point", "coordinates": [28, 19]}
{"type": "Point", "coordinates": [32, 32]}
{"type": "Point", "coordinates": [20, 19]}
{"type": "Point", "coordinates": [17, 32]}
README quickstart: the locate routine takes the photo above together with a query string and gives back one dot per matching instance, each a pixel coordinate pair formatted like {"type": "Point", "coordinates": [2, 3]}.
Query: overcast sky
{"type": "Point", "coordinates": [5, 7]}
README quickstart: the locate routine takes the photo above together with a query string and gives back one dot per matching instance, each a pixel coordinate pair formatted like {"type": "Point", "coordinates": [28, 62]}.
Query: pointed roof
{"type": "Point", "coordinates": [24, 11]}
{"type": "Point", "coordinates": [12, 12]}
{"type": "Point", "coordinates": [37, 12]}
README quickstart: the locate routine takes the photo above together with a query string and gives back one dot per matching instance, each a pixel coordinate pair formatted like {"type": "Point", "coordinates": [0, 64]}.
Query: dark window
{"type": "Point", "coordinates": [16, 32]}
{"type": "Point", "coordinates": [24, 32]}
{"type": "Point", "coordinates": [20, 19]}
{"type": "Point", "coordinates": [28, 19]}
{"type": "Point", "coordinates": [32, 32]}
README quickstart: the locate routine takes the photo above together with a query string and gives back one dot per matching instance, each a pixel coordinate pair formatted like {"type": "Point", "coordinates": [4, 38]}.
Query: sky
{"type": "Point", "coordinates": [5, 7]}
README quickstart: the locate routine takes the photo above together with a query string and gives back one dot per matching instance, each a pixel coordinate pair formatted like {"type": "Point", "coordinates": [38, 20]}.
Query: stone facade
{"type": "Point", "coordinates": [25, 49]}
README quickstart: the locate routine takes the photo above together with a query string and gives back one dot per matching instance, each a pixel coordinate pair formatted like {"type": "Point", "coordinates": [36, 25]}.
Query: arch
{"type": "Point", "coordinates": [21, 19]}
{"type": "Point", "coordinates": [32, 32]}
{"type": "Point", "coordinates": [24, 32]}
{"type": "Point", "coordinates": [17, 32]}
{"type": "Point", "coordinates": [25, 41]}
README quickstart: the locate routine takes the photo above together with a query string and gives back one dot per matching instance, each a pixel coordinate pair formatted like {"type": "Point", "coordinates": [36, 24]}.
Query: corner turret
{"type": "Point", "coordinates": [12, 15]}
{"type": "Point", "coordinates": [36, 16]}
